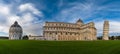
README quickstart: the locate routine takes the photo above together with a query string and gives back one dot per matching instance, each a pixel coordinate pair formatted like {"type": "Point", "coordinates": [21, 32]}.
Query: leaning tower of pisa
{"type": "Point", "coordinates": [106, 30]}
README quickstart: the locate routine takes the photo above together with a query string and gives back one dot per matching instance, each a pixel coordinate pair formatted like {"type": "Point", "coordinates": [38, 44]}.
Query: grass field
{"type": "Point", "coordinates": [59, 47]}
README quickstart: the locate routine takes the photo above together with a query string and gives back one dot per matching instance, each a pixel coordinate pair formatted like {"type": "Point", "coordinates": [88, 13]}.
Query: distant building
{"type": "Point", "coordinates": [69, 31]}
{"type": "Point", "coordinates": [36, 37]}
{"type": "Point", "coordinates": [15, 31]}
{"type": "Point", "coordinates": [106, 31]}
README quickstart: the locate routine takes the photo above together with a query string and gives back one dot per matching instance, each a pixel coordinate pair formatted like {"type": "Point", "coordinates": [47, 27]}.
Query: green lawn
{"type": "Point", "coordinates": [59, 47]}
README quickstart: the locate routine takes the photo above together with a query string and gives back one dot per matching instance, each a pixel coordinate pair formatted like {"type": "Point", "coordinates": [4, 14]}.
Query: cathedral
{"type": "Point", "coordinates": [15, 31]}
{"type": "Point", "coordinates": [69, 31]}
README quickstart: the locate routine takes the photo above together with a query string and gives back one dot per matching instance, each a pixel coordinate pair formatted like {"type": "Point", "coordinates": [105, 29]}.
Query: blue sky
{"type": "Point", "coordinates": [31, 14]}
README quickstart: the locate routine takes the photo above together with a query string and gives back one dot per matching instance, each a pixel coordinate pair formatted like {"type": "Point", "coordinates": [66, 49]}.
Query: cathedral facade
{"type": "Point", "coordinates": [69, 31]}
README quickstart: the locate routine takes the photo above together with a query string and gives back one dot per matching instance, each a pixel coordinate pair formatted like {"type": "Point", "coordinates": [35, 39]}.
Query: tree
{"type": "Point", "coordinates": [25, 37]}
{"type": "Point", "coordinates": [112, 38]}
{"type": "Point", "coordinates": [99, 38]}
{"type": "Point", "coordinates": [118, 37]}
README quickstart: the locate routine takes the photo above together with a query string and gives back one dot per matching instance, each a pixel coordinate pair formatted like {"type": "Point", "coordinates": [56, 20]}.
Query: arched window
{"type": "Point", "coordinates": [56, 33]}
{"type": "Point", "coordinates": [61, 33]}
{"type": "Point", "coordinates": [66, 33]}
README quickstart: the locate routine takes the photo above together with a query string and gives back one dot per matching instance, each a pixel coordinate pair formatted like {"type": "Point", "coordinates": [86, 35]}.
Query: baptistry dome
{"type": "Point", "coordinates": [15, 31]}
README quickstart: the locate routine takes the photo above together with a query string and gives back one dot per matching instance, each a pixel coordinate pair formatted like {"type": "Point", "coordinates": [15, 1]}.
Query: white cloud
{"type": "Point", "coordinates": [114, 27]}
{"type": "Point", "coordinates": [4, 10]}
{"type": "Point", "coordinates": [28, 11]}
{"type": "Point", "coordinates": [26, 18]}
{"type": "Point", "coordinates": [77, 10]}
{"type": "Point", "coordinates": [99, 27]}
{"type": "Point", "coordinates": [29, 7]}
{"type": "Point", "coordinates": [88, 9]}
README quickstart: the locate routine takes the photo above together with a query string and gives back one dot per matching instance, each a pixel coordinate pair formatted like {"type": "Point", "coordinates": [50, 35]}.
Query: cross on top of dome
{"type": "Point", "coordinates": [16, 22]}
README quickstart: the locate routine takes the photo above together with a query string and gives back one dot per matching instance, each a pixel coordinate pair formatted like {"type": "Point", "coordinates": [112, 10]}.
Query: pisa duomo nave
{"type": "Point", "coordinates": [69, 31]}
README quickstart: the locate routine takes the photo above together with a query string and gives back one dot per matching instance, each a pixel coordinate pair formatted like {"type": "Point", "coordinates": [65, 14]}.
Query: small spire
{"type": "Point", "coordinates": [79, 20]}
{"type": "Point", "coordinates": [15, 22]}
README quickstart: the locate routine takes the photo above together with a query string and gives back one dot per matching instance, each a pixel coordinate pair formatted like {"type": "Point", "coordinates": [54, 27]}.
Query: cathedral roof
{"type": "Point", "coordinates": [79, 20]}
{"type": "Point", "coordinates": [15, 24]}
{"type": "Point", "coordinates": [15, 28]}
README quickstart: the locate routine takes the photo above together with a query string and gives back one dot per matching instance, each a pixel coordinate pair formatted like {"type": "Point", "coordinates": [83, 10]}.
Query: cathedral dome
{"type": "Point", "coordinates": [15, 27]}
{"type": "Point", "coordinates": [15, 31]}
{"type": "Point", "coordinates": [79, 22]}
{"type": "Point", "coordinates": [15, 24]}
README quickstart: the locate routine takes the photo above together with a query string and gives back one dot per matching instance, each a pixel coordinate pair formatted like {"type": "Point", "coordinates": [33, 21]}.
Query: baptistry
{"type": "Point", "coordinates": [15, 31]}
